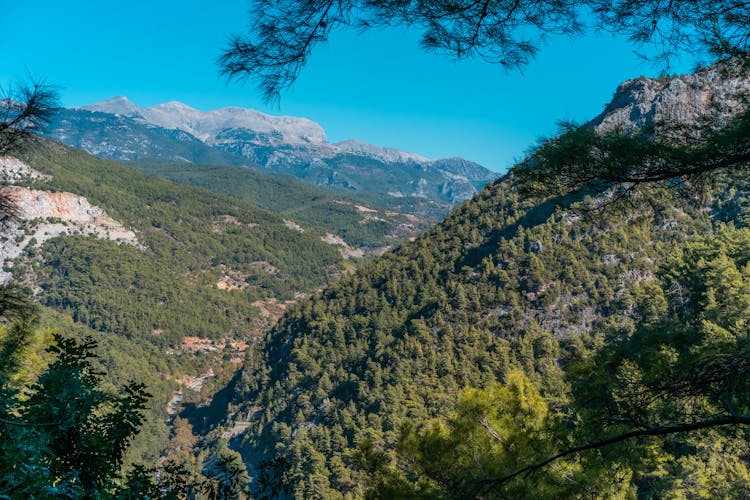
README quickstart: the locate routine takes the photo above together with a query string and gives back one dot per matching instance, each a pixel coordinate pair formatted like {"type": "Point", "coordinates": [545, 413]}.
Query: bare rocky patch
{"type": "Point", "coordinates": [44, 215]}
{"type": "Point", "coordinates": [219, 224]}
{"type": "Point", "coordinates": [232, 279]}
{"type": "Point", "coordinates": [293, 226]}
{"type": "Point", "coordinates": [347, 251]}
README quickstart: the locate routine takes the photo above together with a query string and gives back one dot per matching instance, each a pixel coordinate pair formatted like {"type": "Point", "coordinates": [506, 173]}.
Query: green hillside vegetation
{"type": "Point", "coordinates": [138, 302]}
{"type": "Point", "coordinates": [189, 238]}
{"type": "Point", "coordinates": [78, 420]}
{"type": "Point", "coordinates": [120, 361]}
{"type": "Point", "coordinates": [504, 286]}
{"type": "Point", "coordinates": [680, 365]}
{"type": "Point", "coordinates": [327, 208]}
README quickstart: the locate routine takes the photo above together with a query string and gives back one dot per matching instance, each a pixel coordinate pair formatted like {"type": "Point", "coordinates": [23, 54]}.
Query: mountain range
{"type": "Point", "coordinates": [174, 132]}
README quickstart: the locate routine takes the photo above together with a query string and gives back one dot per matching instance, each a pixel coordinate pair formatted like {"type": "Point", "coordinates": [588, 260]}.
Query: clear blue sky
{"type": "Point", "coordinates": [379, 87]}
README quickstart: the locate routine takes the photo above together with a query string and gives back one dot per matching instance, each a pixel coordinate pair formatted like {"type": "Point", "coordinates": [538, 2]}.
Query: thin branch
{"type": "Point", "coordinates": [28, 424]}
{"type": "Point", "coordinates": [491, 431]}
{"type": "Point", "coordinates": [24, 109]}
{"type": "Point", "coordinates": [653, 431]}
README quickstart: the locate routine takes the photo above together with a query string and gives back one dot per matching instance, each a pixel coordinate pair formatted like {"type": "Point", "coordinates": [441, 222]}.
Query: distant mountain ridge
{"type": "Point", "coordinates": [174, 132]}
{"type": "Point", "coordinates": [206, 125]}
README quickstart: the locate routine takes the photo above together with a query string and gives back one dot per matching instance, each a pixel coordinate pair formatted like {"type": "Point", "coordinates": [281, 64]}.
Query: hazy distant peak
{"type": "Point", "coordinates": [173, 105]}
{"type": "Point", "coordinates": [206, 125]}
{"type": "Point", "coordinates": [388, 155]}
{"type": "Point", "coordinates": [119, 105]}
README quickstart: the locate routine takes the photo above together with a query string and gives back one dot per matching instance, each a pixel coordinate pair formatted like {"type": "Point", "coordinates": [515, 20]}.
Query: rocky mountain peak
{"type": "Point", "coordinates": [388, 155]}
{"type": "Point", "coordinates": [209, 125]}
{"type": "Point", "coordinates": [119, 105]}
{"type": "Point", "coordinates": [717, 92]}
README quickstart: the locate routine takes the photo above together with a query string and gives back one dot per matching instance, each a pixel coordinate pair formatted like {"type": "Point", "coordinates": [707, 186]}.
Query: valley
{"type": "Point", "coordinates": [147, 279]}
{"type": "Point", "coordinates": [189, 275]}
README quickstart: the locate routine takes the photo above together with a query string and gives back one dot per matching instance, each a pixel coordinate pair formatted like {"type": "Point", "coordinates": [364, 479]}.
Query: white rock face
{"type": "Point", "coordinates": [387, 155]}
{"type": "Point", "coordinates": [119, 105]}
{"type": "Point", "coordinates": [716, 92]}
{"type": "Point", "coordinates": [45, 215]}
{"type": "Point", "coordinates": [69, 208]}
{"type": "Point", "coordinates": [207, 125]}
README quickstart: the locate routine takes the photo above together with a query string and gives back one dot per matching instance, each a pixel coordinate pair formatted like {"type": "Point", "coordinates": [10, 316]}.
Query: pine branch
{"type": "Point", "coordinates": [652, 431]}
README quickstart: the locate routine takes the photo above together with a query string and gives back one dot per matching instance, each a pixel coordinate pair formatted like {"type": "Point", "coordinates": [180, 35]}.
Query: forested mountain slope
{"type": "Point", "coordinates": [191, 241]}
{"type": "Point", "coordinates": [501, 284]}
{"type": "Point", "coordinates": [371, 222]}
{"type": "Point", "coordinates": [504, 284]}
{"type": "Point", "coordinates": [172, 281]}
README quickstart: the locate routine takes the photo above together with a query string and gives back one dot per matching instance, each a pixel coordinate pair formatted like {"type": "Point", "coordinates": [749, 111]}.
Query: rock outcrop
{"type": "Point", "coordinates": [718, 93]}
{"type": "Point", "coordinates": [44, 215]}
{"type": "Point", "coordinates": [13, 170]}
{"type": "Point", "coordinates": [347, 251]}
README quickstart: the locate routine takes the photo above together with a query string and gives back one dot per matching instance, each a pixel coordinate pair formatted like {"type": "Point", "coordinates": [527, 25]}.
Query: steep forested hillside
{"type": "Point", "coordinates": [191, 239]}
{"type": "Point", "coordinates": [503, 284]}
{"type": "Point", "coordinates": [569, 316]}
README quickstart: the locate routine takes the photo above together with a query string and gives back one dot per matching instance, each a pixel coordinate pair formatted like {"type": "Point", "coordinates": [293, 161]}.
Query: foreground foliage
{"type": "Point", "coordinates": [661, 410]}
{"type": "Point", "coordinates": [63, 435]}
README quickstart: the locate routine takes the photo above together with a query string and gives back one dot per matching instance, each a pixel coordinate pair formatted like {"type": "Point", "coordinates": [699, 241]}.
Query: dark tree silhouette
{"type": "Point", "coordinates": [283, 33]}
{"type": "Point", "coordinates": [65, 433]}
{"type": "Point", "coordinates": [626, 162]}
{"type": "Point", "coordinates": [24, 109]}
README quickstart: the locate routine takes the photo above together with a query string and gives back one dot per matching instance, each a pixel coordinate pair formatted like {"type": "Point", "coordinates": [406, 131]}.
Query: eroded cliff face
{"type": "Point", "coordinates": [13, 170]}
{"type": "Point", "coordinates": [45, 215]}
{"type": "Point", "coordinates": [716, 93]}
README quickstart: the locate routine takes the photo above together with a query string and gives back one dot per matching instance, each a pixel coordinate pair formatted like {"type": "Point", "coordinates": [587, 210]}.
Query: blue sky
{"type": "Point", "coordinates": [379, 87]}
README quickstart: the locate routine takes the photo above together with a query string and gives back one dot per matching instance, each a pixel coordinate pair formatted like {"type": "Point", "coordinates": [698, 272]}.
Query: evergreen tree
{"type": "Point", "coordinates": [283, 34]}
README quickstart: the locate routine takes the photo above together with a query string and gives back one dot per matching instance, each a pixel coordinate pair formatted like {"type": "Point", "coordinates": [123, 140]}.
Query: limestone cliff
{"type": "Point", "coordinates": [718, 92]}
{"type": "Point", "coordinates": [45, 215]}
